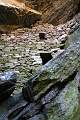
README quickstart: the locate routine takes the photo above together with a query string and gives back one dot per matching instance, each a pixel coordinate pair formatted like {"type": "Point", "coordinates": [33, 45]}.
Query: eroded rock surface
{"type": "Point", "coordinates": [56, 101]}
{"type": "Point", "coordinates": [59, 100]}
{"type": "Point", "coordinates": [20, 50]}
{"type": "Point", "coordinates": [57, 11]}
{"type": "Point", "coordinates": [17, 13]}
{"type": "Point", "coordinates": [7, 84]}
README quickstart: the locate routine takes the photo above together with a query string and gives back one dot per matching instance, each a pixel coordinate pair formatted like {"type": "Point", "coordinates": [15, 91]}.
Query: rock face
{"type": "Point", "coordinates": [20, 12]}
{"type": "Point", "coordinates": [60, 69]}
{"type": "Point", "coordinates": [60, 100]}
{"type": "Point", "coordinates": [45, 57]}
{"type": "Point", "coordinates": [17, 14]}
{"type": "Point", "coordinates": [7, 84]}
{"type": "Point", "coordinates": [56, 11]}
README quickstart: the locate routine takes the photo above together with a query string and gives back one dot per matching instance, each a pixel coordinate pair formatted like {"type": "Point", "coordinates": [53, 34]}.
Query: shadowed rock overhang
{"type": "Point", "coordinates": [17, 12]}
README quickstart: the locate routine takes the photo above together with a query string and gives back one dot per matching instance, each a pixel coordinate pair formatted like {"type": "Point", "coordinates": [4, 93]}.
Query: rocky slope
{"type": "Point", "coordinates": [20, 51]}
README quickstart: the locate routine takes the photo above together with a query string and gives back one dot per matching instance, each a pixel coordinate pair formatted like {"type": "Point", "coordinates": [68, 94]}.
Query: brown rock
{"type": "Point", "coordinates": [57, 11]}
{"type": "Point", "coordinates": [7, 84]}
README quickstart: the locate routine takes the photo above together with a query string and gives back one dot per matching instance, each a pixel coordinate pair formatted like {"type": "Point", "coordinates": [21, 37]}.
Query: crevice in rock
{"type": "Point", "coordinates": [45, 57]}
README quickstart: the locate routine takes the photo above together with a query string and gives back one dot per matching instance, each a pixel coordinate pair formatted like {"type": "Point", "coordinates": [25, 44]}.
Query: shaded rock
{"type": "Point", "coordinates": [24, 111]}
{"type": "Point", "coordinates": [42, 36]}
{"type": "Point", "coordinates": [13, 112]}
{"type": "Point", "coordinates": [9, 103]}
{"type": "Point", "coordinates": [33, 111]}
{"type": "Point", "coordinates": [60, 69]}
{"type": "Point", "coordinates": [65, 106]}
{"type": "Point", "coordinates": [37, 117]}
{"type": "Point", "coordinates": [78, 80]}
{"type": "Point", "coordinates": [7, 84]}
{"type": "Point", "coordinates": [62, 106]}
{"type": "Point", "coordinates": [28, 94]}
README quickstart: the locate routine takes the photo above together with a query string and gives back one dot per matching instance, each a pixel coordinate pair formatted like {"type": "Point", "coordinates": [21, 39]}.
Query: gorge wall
{"type": "Point", "coordinates": [28, 12]}
{"type": "Point", "coordinates": [56, 11]}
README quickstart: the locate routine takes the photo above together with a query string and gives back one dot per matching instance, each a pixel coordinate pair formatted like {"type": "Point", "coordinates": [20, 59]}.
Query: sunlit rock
{"type": "Point", "coordinates": [17, 13]}
{"type": "Point", "coordinates": [7, 84]}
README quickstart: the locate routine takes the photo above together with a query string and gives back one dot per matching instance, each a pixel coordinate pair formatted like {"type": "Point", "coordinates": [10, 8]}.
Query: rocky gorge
{"type": "Point", "coordinates": [49, 91]}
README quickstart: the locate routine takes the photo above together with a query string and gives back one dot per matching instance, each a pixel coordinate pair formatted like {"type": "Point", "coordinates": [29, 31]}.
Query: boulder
{"type": "Point", "coordinates": [65, 106]}
{"type": "Point", "coordinates": [7, 84]}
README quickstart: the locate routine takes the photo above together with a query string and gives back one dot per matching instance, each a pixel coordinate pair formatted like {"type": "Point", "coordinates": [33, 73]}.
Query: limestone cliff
{"type": "Point", "coordinates": [56, 11]}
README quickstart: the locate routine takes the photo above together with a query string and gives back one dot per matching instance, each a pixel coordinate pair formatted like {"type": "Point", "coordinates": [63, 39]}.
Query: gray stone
{"type": "Point", "coordinates": [7, 84]}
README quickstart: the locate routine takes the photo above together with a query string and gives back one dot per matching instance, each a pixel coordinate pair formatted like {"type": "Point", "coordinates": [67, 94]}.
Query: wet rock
{"type": "Point", "coordinates": [7, 84]}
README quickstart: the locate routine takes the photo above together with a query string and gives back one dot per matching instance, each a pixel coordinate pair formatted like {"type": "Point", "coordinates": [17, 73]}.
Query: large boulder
{"type": "Point", "coordinates": [58, 70]}
{"type": "Point", "coordinates": [7, 84]}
